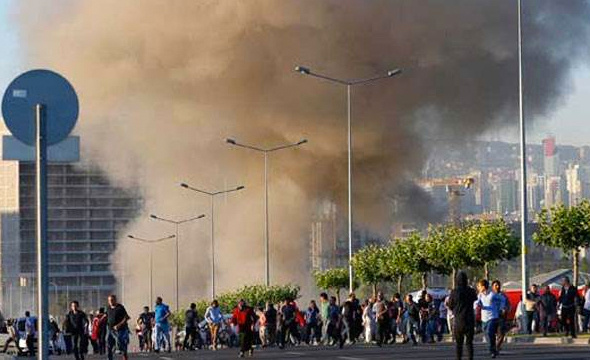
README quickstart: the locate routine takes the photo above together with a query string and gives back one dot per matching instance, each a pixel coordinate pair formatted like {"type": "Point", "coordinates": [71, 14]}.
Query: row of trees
{"type": "Point", "coordinates": [448, 248]}
{"type": "Point", "coordinates": [444, 250]}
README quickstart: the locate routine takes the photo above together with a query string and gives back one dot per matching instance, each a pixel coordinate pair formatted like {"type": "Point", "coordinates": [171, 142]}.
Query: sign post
{"type": "Point", "coordinates": [40, 108]}
{"type": "Point", "coordinates": [42, 256]}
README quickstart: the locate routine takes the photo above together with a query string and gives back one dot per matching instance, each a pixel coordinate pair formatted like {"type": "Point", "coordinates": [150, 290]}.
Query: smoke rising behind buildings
{"type": "Point", "coordinates": [162, 83]}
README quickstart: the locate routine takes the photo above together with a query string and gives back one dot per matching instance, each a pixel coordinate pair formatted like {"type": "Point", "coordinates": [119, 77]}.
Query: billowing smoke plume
{"type": "Point", "coordinates": [162, 83]}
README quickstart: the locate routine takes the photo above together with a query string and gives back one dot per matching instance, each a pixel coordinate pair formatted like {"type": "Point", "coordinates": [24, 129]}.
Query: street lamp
{"type": "Point", "coordinates": [151, 242]}
{"type": "Point", "coordinates": [349, 84]}
{"type": "Point", "coordinates": [212, 196]}
{"type": "Point", "coordinates": [523, 170]}
{"type": "Point", "coordinates": [266, 151]}
{"type": "Point", "coordinates": [176, 224]}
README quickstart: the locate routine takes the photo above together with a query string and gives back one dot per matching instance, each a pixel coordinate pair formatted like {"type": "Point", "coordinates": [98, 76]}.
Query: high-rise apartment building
{"type": "Point", "coordinates": [85, 216]}
{"type": "Point", "coordinates": [506, 196]}
{"type": "Point", "coordinates": [578, 183]}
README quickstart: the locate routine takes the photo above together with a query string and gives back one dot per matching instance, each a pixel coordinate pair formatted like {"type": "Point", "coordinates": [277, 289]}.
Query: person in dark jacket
{"type": "Point", "coordinates": [531, 306]}
{"type": "Point", "coordinates": [243, 316]}
{"type": "Point", "coordinates": [567, 299]}
{"type": "Point", "coordinates": [288, 322]}
{"type": "Point", "coordinates": [347, 322]}
{"type": "Point", "coordinates": [547, 309]}
{"type": "Point", "coordinates": [311, 323]}
{"type": "Point", "coordinates": [271, 323]}
{"type": "Point", "coordinates": [461, 304]}
{"type": "Point", "coordinates": [78, 322]}
{"type": "Point", "coordinates": [191, 322]}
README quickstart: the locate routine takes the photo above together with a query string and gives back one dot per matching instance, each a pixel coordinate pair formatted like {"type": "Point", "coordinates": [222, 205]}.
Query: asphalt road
{"type": "Point", "coordinates": [360, 352]}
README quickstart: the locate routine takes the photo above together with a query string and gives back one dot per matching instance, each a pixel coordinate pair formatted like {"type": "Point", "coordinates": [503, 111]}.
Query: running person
{"type": "Point", "coordinates": [144, 321]}
{"type": "Point", "coordinates": [161, 315]}
{"type": "Point", "coordinates": [243, 316]}
{"type": "Point", "coordinates": [117, 328]}
{"type": "Point", "coordinates": [214, 319]}
{"type": "Point", "coordinates": [489, 303]}
{"type": "Point", "coordinates": [460, 302]}
{"type": "Point", "coordinates": [78, 322]}
{"type": "Point", "coordinates": [191, 320]}
{"type": "Point", "coordinates": [504, 306]}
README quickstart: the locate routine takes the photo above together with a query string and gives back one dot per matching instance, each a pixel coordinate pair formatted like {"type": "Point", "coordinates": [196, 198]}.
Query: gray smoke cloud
{"type": "Point", "coordinates": [162, 83]}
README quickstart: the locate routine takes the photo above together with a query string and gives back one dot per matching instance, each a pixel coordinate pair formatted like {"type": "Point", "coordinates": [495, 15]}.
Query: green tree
{"type": "Point", "coordinates": [416, 256]}
{"type": "Point", "coordinates": [397, 265]}
{"type": "Point", "coordinates": [332, 279]}
{"type": "Point", "coordinates": [491, 242]}
{"type": "Point", "coordinates": [449, 249]}
{"type": "Point", "coordinates": [369, 266]}
{"type": "Point", "coordinates": [567, 229]}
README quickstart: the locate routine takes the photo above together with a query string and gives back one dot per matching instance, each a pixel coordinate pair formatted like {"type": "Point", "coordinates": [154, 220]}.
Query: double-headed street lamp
{"type": "Point", "coordinates": [266, 151]}
{"type": "Point", "coordinates": [212, 196]}
{"type": "Point", "coordinates": [349, 84]}
{"type": "Point", "coordinates": [151, 242]}
{"type": "Point", "coordinates": [176, 225]}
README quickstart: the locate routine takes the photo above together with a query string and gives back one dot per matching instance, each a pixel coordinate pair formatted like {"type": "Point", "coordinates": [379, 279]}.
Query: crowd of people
{"type": "Point", "coordinates": [377, 320]}
{"type": "Point", "coordinates": [106, 331]}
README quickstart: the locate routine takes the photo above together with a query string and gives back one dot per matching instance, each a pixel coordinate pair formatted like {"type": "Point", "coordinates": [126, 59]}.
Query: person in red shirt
{"type": "Point", "coordinates": [243, 316]}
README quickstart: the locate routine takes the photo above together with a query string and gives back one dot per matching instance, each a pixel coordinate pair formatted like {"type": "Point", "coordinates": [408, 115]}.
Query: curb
{"type": "Point", "coordinates": [547, 340]}
{"type": "Point", "coordinates": [478, 338]}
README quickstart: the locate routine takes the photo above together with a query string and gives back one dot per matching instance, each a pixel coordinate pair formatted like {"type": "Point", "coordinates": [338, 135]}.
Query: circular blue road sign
{"type": "Point", "coordinates": [43, 87]}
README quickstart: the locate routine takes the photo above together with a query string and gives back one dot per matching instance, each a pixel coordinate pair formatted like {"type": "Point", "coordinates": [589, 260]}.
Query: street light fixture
{"type": "Point", "coordinates": [151, 242]}
{"type": "Point", "coordinates": [176, 224]}
{"type": "Point", "coordinates": [212, 196]}
{"type": "Point", "coordinates": [349, 84]}
{"type": "Point", "coordinates": [266, 151]}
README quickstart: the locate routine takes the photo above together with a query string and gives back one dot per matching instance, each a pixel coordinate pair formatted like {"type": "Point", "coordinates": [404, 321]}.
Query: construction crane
{"type": "Point", "coordinates": [455, 188]}
{"type": "Point", "coordinates": [455, 192]}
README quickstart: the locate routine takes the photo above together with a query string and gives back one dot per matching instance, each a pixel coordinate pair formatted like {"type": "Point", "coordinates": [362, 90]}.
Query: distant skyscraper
{"type": "Point", "coordinates": [578, 183]}
{"type": "Point", "coordinates": [506, 196]}
{"type": "Point", "coordinates": [555, 191]}
{"type": "Point", "coordinates": [535, 192]}
{"type": "Point", "coordinates": [550, 157]}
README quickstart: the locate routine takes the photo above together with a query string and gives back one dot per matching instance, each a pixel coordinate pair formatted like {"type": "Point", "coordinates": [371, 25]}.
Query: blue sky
{"type": "Point", "coordinates": [10, 61]}
{"type": "Point", "coordinates": [571, 122]}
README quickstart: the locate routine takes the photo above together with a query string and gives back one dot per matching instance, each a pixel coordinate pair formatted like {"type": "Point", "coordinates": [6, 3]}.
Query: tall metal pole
{"type": "Point", "coordinates": [42, 275]}
{"type": "Point", "coordinates": [523, 175]}
{"type": "Point", "coordinates": [151, 275]}
{"type": "Point", "coordinates": [177, 266]}
{"type": "Point", "coordinates": [123, 298]}
{"type": "Point", "coordinates": [266, 232]}
{"type": "Point", "coordinates": [349, 107]}
{"type": "Point", "coordinates": [11, 313]}
{"type": "Point", "coordinates": [212, 247]}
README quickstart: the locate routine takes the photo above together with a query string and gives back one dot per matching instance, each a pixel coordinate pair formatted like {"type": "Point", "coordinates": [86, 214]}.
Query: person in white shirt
{"type": "Point", "coordinates": [450, 318]}
{"type": "Point", "coordinates": [442, 315]}
{"type": "Point", "coordinates": [368, 321]}
{"type": "Point", "coordinates": [488, 302]}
